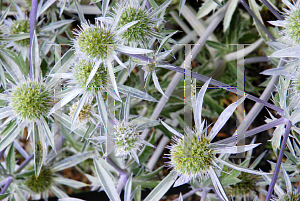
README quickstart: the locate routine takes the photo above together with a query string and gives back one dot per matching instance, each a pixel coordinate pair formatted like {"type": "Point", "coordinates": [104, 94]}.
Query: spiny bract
{"type": "Point", "coordinates": [19, 27]}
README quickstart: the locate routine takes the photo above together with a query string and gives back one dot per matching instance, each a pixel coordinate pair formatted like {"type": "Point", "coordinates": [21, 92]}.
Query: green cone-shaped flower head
{"type": "Point", "coordinates": [191, 156]}
{"type": "Point", "coordinates": [293, 26]}
{"type": "Point", "coordinates": [93, 41]}
{"type": "Point", "coordinates": [82, 71]}
{"type": "Point", "coordinates": [42, 183]}
{"type": "Point", "coordinates": [293, 196]}
{"type": "Point", "coordinates": [31, 100]}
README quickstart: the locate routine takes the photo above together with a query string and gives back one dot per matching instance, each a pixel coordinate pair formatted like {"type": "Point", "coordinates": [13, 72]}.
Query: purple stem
{"type": "Point", "coordinates": [148, 5]}
{"type": "Point", "coordinates": [253, 131]}
{"type": "Point", "coordinates": [257, 20]}
{"type": "Point", "coordinates": [272, 9]}
{"type": "Point", "coordinates": [204, 78]}
{"type": "Point", "coordinates": [279, 160]}
{"type": "Point", "coordinates": [6, 186]}
{"type": "Point", "coordinates": [33, 13]}
{"type": "Point", "coordinates": [23, 165]}
{"type": "Point", "coordinates": [122, 182]}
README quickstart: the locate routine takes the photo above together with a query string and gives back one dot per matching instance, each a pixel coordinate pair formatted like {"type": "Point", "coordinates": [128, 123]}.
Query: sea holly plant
{"type": "Point", "coordinates": [69, 95]}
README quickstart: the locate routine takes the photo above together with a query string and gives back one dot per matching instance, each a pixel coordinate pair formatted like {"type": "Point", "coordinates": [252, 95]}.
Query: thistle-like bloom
{"type": "Point", "coordinates": [291, 24]}
{"type": "Point", "coordinates": [193, 155]}
{"type": "Point", "coordinates": [145, 29]}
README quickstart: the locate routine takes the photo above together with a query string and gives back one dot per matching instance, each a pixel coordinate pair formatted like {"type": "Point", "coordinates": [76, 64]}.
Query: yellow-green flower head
{"type": "Point", "coordinates": [141, 32]}
{"type": "Point", "coordinates": [82, 70]}
{"type": "Point", "coordinates": [191, 155]}
{"type": "Point", "coordinates": [84, 114]}
{"type": "Point", "coordinates": [291, 24]}
{"type": "Point", "coordinates": [41, 183]}
{"type": "Point", "coordinates": [93, 42]}
{"type": "Point", "coordinates": [126, 138]}
{"type": "Point", "coordinates": [31, 100]}
{"type": "Point", "coordinates": [245, 187]}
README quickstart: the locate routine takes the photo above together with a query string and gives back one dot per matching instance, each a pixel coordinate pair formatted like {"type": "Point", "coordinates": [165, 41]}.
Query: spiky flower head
{"type": "Point", "coordinates": [41, 183]}
{"type": "Point", "coordinates": [141, 32]}
{"type": "Point", "coordinates": [82, 71]}
{"type": "Point", "coordinates": [245, 187]}
{"type": "Point", "coordinates": [191, 155]}
{"type": "Point", "coordinates": [126, 138]}
{"type": "Point", "coordinates": [31, 100]}
{"type": "Point", "coordinates": [93, 41]}
{"type": "Point", "coordinates": [84, 114]}
{"type": "Point", "coordinates": [291, 24]}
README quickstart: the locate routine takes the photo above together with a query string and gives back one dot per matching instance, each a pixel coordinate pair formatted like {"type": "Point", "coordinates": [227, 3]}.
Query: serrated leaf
{"type": "Point", "coordinates": [70, 182]}
{"type": "Point", "coordinates": [72, 161]}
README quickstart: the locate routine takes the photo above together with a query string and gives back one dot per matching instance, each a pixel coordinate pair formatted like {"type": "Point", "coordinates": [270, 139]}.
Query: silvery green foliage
{"type": "Point", "coordinates": [76, 108]}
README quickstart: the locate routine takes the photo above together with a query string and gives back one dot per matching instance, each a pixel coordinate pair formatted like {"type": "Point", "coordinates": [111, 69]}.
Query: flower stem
{"type": "Point", "coordinates": [279, 160]}
{"type": "Point", "coordinates": [33, 13]}
{"type": "Point", "coordinates": [272, 9]}
{"type": "Point", "coordinates": [23, 165]}
{"type": "Point", "coordinates": [190, 193]}
{"type": "Point", "coordinates": [6, 185]}
{"type": "Point", "coordinates": [204, 195]}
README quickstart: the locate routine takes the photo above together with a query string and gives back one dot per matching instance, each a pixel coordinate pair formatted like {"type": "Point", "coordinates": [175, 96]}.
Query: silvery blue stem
{"type": "Point", "coordinates": [148, 5]}
{"type": "Point", "coordinates": [252, 131]}
{"type": "Point", "coordinates": [20, 149]}
{"type": "Point", "coordinates": [279, 160]}
{"type": "Point", "coordinates": [272, 9]}
{"type": "Point", "coordinates": [23, 165]}
{"type": "Point", "coordinates": [6, 185]}
{"type": "Point", "coordinates": [204, 195]}
{"type": "Point", "coordinates": [33, 13]}
{"type": "Point", "coordinates": [112, 163]}
{"type": "Point", "coordinates": [298, 189]}
{"type": "Point", "coordinates": [252, 60]}
{"type": "Point", "coordinates": [122, 182]}
{"type": "Point", "coordinates": [190, 193]}
{"type": "Point", "coordinates": [257, 20]}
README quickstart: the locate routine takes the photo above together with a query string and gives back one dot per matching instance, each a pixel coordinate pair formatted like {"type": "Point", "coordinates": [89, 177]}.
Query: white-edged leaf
{"type": "Point", "coordinates": [217, 184]}
{"type": "Point", "coordinates": [255, 8]}
{"type": "Point", "coordinates": [157, 85]}
{"type": "Point", "coordinates": [70, 182]}
{"type": "Point", "coordinates": [288, 183]}
{"type": "Point", "coordinates": [206, 8]}
{"type": "Point", "coordinates": [181, 180]}
{"type": "Point", "coordinates": [3, 16]}
{"type": "Point", "coordinates": [275, 71]}
{"type": "Point", "coordinates": [277, 189]}
{"type": "Point", "coordinates": [112, 77]}
{"type": "Point", "coordinates": [135, 157]}
{"type": "Point", "coordinates": [10, 160]}
{"type": "Point", "coordinates": [172, 130]}
{"type": "Point", "coordinates": [70, 199]}
{"type": "Point", "coordinates": [242, 169]}
{"type": "Point", "coordinates": [229, 13]}
{"type": "Point", "coordinates": [127, 107]}
{"type": "Point", "coordinates": [72, 161]}
{"type": "Point", "coordinates": [199, 103]}
{"type": "Point", "coordinates": [181, 4]}
{"type": "Point", "coordinates": [35, 56]}
{"type": "Point", "coordinates": [257, 160]}
{"type": "Point", "coordinates": [66, 121]}
{"type": "Point", "coordinates": [79, 10]}
{"type": "Point", "coordinates": [126, 26]}
{"type": "Point", "coordinates": [54, 25]}
{"type": "Point", "coordinates": [11, 67]}
{"type": "Point", "coordinates": [44, 7]}
{"type": "Point", "coordinates": [148, 124]}
{"type": "Point", "coordinates": [48, 132]}
{"type": "Point", "coordinates": [135, 92]}
{"type": "Point", "coordinates": [163, 6]}
{"type": "Point", "coordinates": [39, 148]}
{"type": "Point", "coordinates": [13, 132]}
{"type": "Point", "coordinates": [128, 186]}
{"type": "Point", "coordinates": [66, 99]}
{"type": "Point", "coordinates": [57, 192]}
{"type": "Point", "coordinates": [101, 107]}
{"type": "Point", "coordinates": [132, 50]}
{"type": "Point", "coordinates": [158, 192]}
{"type": "Point", "coordinates": [225, 115]}
{"type": "Point", "coordinates": [93, 72]}
{"type": "Point", "coordinates": [104, 7]}
{"type": "Point", "coordinates": [287, 52]}
{"type": "Point", "coordinates": [163, 42]}
{"type": "Point", "coordinates": [106, 182]}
